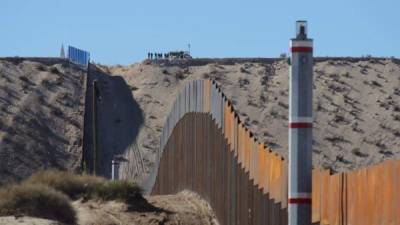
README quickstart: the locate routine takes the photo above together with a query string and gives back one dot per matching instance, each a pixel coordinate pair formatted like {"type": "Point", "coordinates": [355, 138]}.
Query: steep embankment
{"type": "Point", "coordinates": [356, 104]}
{"type": "Point", "coordinates": [41, 116]}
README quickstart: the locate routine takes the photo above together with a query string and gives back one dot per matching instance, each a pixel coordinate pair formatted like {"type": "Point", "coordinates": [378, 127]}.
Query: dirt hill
{"type": "Point", "coordinates": [356, 103]}
{"type": "Point", "coordinates": [41, 116]}
{"type": "Point", "coordinates": [357, 108]}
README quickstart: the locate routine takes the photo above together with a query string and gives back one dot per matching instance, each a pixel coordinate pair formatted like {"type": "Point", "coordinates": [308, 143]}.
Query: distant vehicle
{"type": "Point", "coordinates": [178, 55]}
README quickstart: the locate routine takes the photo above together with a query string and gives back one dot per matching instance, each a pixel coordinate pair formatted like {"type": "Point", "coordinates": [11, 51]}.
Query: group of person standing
{"type": "Point", "coordinates": [155, 55]}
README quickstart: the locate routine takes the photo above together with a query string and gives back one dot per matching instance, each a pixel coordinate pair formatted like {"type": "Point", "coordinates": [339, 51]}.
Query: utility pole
{"type": "Point", "coordinates": [300, 127]}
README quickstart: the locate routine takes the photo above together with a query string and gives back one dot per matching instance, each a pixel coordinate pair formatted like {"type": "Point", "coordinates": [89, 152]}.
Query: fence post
{"type": "Point", "coordinates": [114, 169]}
{"type": "Point", "coordinates": [300, 127]}
{"type": "Point", "coordinates": [94, 126]}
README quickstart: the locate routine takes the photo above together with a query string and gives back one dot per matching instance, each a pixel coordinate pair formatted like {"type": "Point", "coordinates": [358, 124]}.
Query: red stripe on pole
{"type": "Point", "coordinates": [299, 200]}
{"type": "Point", "coordinates": [301, 49]}
{"type": "Point", "coordinates": [300, 125]}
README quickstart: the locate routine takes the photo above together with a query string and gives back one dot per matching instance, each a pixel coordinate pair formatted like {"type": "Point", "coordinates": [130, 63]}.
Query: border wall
{"type": "Point", "coordinates": [205, 148]}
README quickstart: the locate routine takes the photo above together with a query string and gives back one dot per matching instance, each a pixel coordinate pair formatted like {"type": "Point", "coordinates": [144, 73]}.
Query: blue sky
{"type": "Point", "coordinates": [123, 31]}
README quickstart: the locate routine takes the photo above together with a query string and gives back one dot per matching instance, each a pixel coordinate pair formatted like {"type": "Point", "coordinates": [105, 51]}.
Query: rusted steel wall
{"type": "Point", "coordinates": [368, 196]}
{"type": "Point", "coordinates": [198, 157]}
{"type": "Point", "coordinates": [205, 148]}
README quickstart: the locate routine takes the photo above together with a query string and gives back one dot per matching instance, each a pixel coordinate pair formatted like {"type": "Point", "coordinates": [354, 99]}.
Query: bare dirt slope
{"type": "Point", "coordinates": [24, 220]}
{"type": "Point", "coordinates": [357, 104]}
{"type": "Point", "coordinates": [41, 116]}
{"type": "Point", "coordinates": [183, 208]}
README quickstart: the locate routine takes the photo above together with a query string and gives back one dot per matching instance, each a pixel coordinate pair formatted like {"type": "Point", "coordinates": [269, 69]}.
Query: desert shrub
{"type": "Point", "coordinates": [57, 112]}
{"type": "Point", "coordinates": [251, 102]}
{"type": "Point", "coordinates": [165, 71]}
{"type": "Point", "coordinates": [40, 67]}
{"type": "Point", "coordinates": [72, 185]}
{"type": "Point", "coordinates": [180, 75]}
{"type": "Point", "coordinates": [386, 152]}
{"type": "Point", "coordinates": [335, 139]}
{"type": "Point", "coordinates": [243, 82]}
{"type": "Point", "coordinates": [243, 70]}
{"type": "Point", "coordinates": [133, 88]}
{"type": "Point", "coordinates": [24, 78]}
{"type": "Point", "coordinates": [347, 74]}
{"type": "Point", "coordinates": [273, 113]}
{"type": "Point", "coordinates": [340, 158]}
{"type": "Point", "coordinates": [54, 70]}
{"type": "Point", "coordinates": [282, 104]}
{"type": "Point", "coordinates": [206, 75]}
{"type": "Point", "coordinates": [86, 186]}
{"type": "Point", "coordinates": [357, 152]}
{"type": "Point", "coordinates": [46, 83]}
{"type": "Point", "coordinates": [59, 80]}
{"type": "Point", "coordinates": [37, 201]}
{"type": "Point", "coordinates": [376, 83]}
{"type": "Point", "coordinates": [118, 190]}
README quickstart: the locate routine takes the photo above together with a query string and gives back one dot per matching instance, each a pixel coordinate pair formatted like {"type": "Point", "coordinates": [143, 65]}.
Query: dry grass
{"type": "Point", "coordinates": [37, 201]}
{"type": "Point", "coordinates": [88, 187]}
{"type": "Point", "coordinates": [75, 186]}
{"type": "Point", "coordinates": [118, 190]}
{"type": "Point", "coordinates": [47, 194]}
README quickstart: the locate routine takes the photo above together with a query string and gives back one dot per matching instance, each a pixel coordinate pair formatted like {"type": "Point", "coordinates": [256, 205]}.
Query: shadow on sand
{"type": "Point", "coordinates": [119, 120]}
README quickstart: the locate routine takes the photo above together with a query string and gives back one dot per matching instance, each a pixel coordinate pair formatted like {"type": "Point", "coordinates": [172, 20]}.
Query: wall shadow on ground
{"type": "Point", "coordinates": [119, 120]}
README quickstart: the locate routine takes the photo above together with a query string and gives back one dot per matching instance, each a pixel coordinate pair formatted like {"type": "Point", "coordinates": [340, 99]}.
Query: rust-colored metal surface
{"type": "Point", "coordinates": [367, 196]}
{"type": "Point", "coordinates": [198, 157]}
{"type": "Point", "coordinates": [205, 148]}
{"type": "Point", "coordinates": [316, 196]}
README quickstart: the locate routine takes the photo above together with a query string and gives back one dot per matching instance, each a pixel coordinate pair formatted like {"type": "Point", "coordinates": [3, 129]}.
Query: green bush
{"type": "Point", "coordinates": [37, 201]}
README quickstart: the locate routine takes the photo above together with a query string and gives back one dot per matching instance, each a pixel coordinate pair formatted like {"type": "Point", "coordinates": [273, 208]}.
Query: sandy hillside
{"type": "Point", "coordinates": [357, 109]}
{"type": "Point", "coordinates": [41, 117]}
{"type": "Point", "coordinates": [357, 104]}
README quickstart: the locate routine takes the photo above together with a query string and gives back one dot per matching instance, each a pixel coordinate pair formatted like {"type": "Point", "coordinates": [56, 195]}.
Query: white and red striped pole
{"type": "Point", "coordinates": [300, 127]}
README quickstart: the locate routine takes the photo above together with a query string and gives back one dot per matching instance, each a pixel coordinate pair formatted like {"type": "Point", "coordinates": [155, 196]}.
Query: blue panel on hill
{"type": "Point", "coordinates": [78, 56]}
